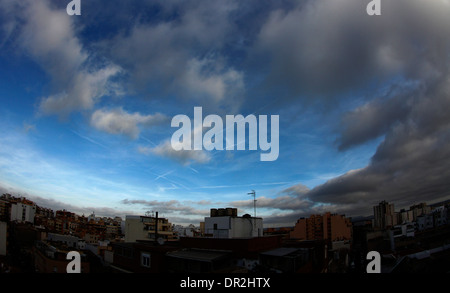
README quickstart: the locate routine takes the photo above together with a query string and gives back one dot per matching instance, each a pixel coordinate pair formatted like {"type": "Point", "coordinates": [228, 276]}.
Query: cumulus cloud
{"type": "Point", "coordinates": [83, 92]}
{"type": "Point", "coordinates": [182, 55]}
{"type": "Point", "coordinates": [49, 36]}
{"type": "Point", "coordinates": [184, 157]}
{"type": "Point", "coordinates": [118, 121]}
{"type": "Point", "coordinates": [296, 190]}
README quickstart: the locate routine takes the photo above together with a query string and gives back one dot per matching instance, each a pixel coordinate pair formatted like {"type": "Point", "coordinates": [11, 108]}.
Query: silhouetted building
{"type": "Point", "coordinates": [419, 209]}
{"type": "Point", "coordinates": [384, 215]}
{"type": "Point", "coordinates": [52, 259]}
{"type": "Point", "coordinates": [199, 261]}
{"type": "Point", "coordinates": [330, 227]}
{"type": "Point", "coordinates": [285, 259]}
{"type": "Point", "coordinates": [3, 238]}
{"type": "Point", "coordinates": [140, 257]}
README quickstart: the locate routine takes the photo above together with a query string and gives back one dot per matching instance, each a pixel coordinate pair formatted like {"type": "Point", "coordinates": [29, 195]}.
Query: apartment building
{"type": "Point", "coordinates": [53, 259]}
{"type": "Point", "coordinates": [147, 228]}
{"type": "Point", "coordinates": [224, 223]}
{"type": "Point", "coordinates": [329, 227]}
{"type": "Point", "coordinates": [22, 212]}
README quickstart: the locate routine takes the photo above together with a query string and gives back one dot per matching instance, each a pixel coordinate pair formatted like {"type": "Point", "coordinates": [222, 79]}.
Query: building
{"type": "Point", "coordinates": [405, 217]}
{"type": "Point", "coordinates": [5, 207]}
{"type": "Point", "coordinates": [139, 257]}
{"type": "Point", "coordinates": [224, 223]}
{"type": "Point", "coordinates": [147, 228]}
{"type": "Point", "coordinates": [208, 254]}
{"type": "Point", "coordinates": [50, 258]}
{"type": "Point", "coordinates": [384, 215]}
{"type": "Point", "coordinates": [189, 231]}
{"type": "Point", "coordinates": [440, 216]}
{"type": "Point", "coordinates": [67, 240]}
{"type": "Point", "coordinates": [403, 230]}
{"type": "Point", "coordinates": [23, 212]}
{"type": "Point", "coordinates": [425, 222]}
{"type": "Point", "coordinates": [285, 259]}
{"type": "Point", "coordinates": [419, 209]}
{"type": "Point", "coordinates": [3, 238]}
{"type": "Point", "coordinates": [330, 227]}
{"type": "Point", "coordinates": [199, 261]}
{"type": "Point", "coordinates": [63, 221]}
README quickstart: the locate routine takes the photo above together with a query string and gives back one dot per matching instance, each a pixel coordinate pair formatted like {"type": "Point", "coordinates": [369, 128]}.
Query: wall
{"type": "Point", "coordinates": [134, 229]}
{"type": "Point", "coordinates": [299, 231]}
{"type": "Point", "coordinates": [246, 227]}
{"type": "Point", "coordinates": [233, 227]}
{"type": "Point", "coordinates": [22, 212]}
{"type": "Point", "coordinates": [3, 238]}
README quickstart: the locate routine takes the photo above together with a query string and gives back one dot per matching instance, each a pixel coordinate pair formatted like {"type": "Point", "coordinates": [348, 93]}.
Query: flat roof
{"type": "Point", "coordinates": [282, 251]}
{"type": "Point", "coordinates": [198, 254]}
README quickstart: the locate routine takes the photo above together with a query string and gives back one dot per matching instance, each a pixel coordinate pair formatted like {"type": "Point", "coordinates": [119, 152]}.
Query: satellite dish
{"type": "Point", "coordinates": [160, 241]}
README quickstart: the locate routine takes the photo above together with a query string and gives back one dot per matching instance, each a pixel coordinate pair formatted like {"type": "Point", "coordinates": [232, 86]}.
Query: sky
{"type": "Point", "coordinates": [87, 103]}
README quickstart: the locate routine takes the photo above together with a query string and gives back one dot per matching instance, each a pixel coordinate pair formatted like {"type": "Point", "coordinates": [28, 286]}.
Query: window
{"type": "Point", "coordinates": [145, 260]}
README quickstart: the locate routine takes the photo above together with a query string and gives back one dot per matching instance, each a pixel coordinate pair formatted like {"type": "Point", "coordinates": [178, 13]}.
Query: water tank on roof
{"type": "Point", "coordinates": [229, 211]}
{"type": "Point", "coordinates": [221, 212]}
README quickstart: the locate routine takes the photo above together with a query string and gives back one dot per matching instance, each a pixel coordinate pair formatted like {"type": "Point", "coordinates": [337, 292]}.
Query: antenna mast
{"type": "Point", "coordinates": [254, 201]}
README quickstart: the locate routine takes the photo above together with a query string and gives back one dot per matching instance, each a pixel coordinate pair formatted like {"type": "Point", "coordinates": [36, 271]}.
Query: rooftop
{"type": "Point", "coordinates": [199, 254]}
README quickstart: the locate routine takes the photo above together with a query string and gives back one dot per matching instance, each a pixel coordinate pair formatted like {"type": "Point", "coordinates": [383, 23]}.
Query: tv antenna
{"type": "Point", "coordinates": [254, 201]}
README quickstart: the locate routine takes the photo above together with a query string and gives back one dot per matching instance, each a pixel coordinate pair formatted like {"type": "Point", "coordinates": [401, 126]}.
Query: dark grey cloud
{"type": "Point", "coordinates": [410, 165]}
{"type": "Point", "coordinates": [281, 202]}
{"type": "Point", "coordinates": [399, 63]}
{"type": "Point", "coordinates": [330, 49]}
{"type": "Point", "coordinates": [374, 118]}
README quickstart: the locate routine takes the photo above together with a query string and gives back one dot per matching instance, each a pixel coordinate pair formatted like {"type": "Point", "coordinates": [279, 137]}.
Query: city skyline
{"type": "Point", "coordinates": [87, 103]}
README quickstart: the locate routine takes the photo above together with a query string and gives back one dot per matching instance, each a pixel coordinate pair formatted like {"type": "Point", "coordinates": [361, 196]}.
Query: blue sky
{"type": "Point", "coordinates": [87, 103]}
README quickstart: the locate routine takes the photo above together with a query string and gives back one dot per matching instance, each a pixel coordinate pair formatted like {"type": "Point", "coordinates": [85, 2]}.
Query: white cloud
{"type": "Point", "coordinates": [182, 56]}
{"type": "Point", "coordinates": [118, 121]}
{"type": "Point", "coordinates": [49, 36]}
{"type": "Point", "coordinates": [185, 157]}
{"type": "Point", "coordinates": [82, 94]}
